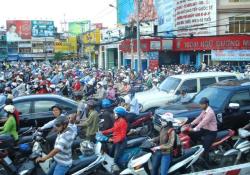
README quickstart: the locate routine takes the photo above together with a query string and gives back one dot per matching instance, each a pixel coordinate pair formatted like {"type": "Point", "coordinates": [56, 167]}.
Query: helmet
{"type": "Point", "coordinates": [61, 120]}
{"type": "Point", "coordinates": [204, 100]}
{"type": "Point", "coordinates": [120, 111]}
{"type": "Point", "coordinates": [57, 106]}
{"type": "Point", "coordinates": [167, 117]}
{"type": "Point", "coordinates": [87, 148]}
{"type": "Point", "coordinates": [106, 103]}
{"type": "Point", "coordinates": [9, 108]}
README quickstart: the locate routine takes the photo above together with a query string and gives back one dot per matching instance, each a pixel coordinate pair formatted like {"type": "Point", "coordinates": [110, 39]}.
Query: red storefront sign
{"type": "Point", "coordinates": [125, 45]}
{"type": "Point", "coordinates": [230, 42]}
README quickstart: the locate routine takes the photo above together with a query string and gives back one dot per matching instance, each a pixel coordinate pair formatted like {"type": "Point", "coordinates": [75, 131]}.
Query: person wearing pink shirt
{"type": "Point", "coordinates": [205, 127]}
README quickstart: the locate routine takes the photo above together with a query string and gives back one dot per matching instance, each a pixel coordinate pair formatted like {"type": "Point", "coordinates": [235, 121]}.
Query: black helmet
{"type": "Point", "coordinates": [204, 100]}
{"type": "Point", "coordinates": [61, 120]}
{"type": "Point", "coordinates": [57, 106]}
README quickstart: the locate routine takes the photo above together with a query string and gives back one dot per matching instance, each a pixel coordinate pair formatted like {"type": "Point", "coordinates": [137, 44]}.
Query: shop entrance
{"type": "Point", "coordinates": [207, 59]}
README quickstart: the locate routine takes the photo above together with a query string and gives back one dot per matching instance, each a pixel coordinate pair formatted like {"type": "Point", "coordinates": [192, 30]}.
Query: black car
{"type": "Point", "coordinates": [230, 101]}
{"type": "Point", "coordinates": [36, 109]}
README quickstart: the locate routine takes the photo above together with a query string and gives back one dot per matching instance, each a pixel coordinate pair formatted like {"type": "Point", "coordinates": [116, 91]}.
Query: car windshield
{"type": "Point", "coordinates": [212, 94]}
{"type": "Point", "coordinates": [170, 84]}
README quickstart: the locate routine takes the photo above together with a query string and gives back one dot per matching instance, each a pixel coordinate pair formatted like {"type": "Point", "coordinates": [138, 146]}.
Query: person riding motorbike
{"type": "Point", "coordinates": [205, 126]}
{"type": "Point", "coordinates": [9, 130]}
{"type": "Point", "coordinates": [119, 132]}
{"type": "Point", "coordinates": [62, 152]}
{"type": "Point", "coordinates": [100, 92]}
{"type": "Point", "coordinates": [92, 122]}
{"type": "Point", "coordinates": [57, 112]}
{"type": "Point", "coordinates": [164, 152]}
{"type": "Point", "coordinates": [107, 115]}
{"type": "Point", "coordinates": [184, 96]}
{"type": "Point", "coordinates": [111, 92]}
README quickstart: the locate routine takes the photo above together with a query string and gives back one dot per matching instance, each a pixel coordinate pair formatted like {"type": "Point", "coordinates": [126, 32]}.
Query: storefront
{"type": "Point", "coordinates": [213, 50]}
{"type": "Point", "coordinates": [150, 50]}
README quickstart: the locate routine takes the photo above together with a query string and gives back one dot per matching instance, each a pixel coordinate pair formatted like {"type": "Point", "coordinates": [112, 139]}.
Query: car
{"type": "Point", "coordinates": [36, 109]}
{"type": "Point", "coordinates": [230, 100]}
{"type": "Point", "coordinates": [170, 88]}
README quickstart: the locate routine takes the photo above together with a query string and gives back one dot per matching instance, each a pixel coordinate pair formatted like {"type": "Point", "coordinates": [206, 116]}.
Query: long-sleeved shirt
{"type": "Point", "coordinates": [206, 120]}
{"type": "Point", "coordinates": [119, 130]}
{"type": "Point", "coordinates": [100, 93]}
{"type": "Point", "coordinates": [111, 94]}
{"type": "Point", "coordinates": [10, 128]}
{"type": "Point", "coordinates": [166, 140]}
{"type": "Point", "coordinates": [50, 124]}
{"type": "Point", "coordinates": [92, 123]}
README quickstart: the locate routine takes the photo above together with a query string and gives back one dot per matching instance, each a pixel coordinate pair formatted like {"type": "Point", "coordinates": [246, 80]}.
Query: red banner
{"type": "Point", "coordinates": [230, 42]}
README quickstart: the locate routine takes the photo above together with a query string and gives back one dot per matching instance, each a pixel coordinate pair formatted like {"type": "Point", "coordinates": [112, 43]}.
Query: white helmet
{"type": "Point", "coordinates": [9, 109]}
{"type": "Point", "coordinates": [168, 117]}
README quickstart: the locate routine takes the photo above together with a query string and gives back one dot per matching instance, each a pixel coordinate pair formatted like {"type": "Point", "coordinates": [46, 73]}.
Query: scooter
{"type": "Point", "coordinates": [82, 165]}
{"type": "Point", "coordinates": [131, 150]}
{"type": "Point", "coordinates": [240, 150]}
{"type": "Point", "coordinates": [137, 165]}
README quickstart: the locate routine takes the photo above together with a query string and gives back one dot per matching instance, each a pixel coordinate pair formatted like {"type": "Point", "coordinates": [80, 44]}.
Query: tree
{"type": "Point", "coordinates": [58, 56]}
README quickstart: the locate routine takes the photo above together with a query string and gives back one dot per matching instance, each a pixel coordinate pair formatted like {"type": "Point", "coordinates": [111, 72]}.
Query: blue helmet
{"type": "Point", "coordinates": [120, 111]}
{"type": "Point", "coordinates": [106, 103]}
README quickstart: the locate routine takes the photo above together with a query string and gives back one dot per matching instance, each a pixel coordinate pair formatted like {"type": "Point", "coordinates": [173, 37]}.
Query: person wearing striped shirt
{"type": "Point", "coordinates": [62, 152]}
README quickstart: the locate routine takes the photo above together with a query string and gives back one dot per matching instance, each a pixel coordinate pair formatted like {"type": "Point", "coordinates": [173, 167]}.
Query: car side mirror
{"type": "Point", "coordinates": [234, 106]}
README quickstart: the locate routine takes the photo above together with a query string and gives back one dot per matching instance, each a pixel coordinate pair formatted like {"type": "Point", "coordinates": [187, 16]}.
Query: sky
{"type": "Point", "coordinates": [58, 10]}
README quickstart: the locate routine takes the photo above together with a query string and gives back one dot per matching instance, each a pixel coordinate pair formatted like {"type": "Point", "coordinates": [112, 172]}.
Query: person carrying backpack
{"type": "Point", "coordinates": [167, 142]}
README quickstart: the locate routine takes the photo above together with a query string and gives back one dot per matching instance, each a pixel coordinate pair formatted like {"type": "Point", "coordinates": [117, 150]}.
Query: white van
{"type": "Point", "coordinates": [169, 89]}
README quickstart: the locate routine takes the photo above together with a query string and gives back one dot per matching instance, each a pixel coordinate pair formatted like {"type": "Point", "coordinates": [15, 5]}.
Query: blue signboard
{"type": "Point", "coordinates": [42, 28]}
{"type": "Point", "coordinates": [125, 8]}
{"type": "Point", "coordinates": [165, 13]}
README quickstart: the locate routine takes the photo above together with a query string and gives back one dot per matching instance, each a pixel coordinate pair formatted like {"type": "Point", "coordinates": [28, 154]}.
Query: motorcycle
{"type": "Point", "coordinates": [81, 165]}
{"type": "Point", "coordinates": [137, 165]}
{"type": "Point", "coordinates": [240, 150]}
{"type": "Point", "coordinates": [131, 150]}
{"type": "Point", "coordinates": [219, 146]}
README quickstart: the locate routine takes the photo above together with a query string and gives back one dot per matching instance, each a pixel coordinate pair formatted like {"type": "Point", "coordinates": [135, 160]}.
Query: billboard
{"type": "Point", "coordinates": [127, 11]}
{"type": "Point", "coordinates": [78, 27]}
{"type": "Point", "coordinates": [18, 30]}
{"type": "Point", "coordinates": [93, 37]}
{"type": "Point", "coordinates": [165, 13]}
{"type": "Point", "coordinates": [195, 17]}
{"type": "Point", "coordinates": [42, 28]}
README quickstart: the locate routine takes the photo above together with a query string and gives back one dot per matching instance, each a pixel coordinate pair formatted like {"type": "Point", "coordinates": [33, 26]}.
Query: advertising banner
{"type": "Point", "coordinates": [18, 30]}
{"type": "Point", "coordinates": [230, 55]}
{"type": "Point", "coordinates": [79, 27]}
{"type": "Point", "coordinates": [93, 37]}
{"type": "Point", "coordinates": [195, 17]}
{"type": "Point", "coordinates": [155, 45]}
{"type": "Point", "coordinates": [213, 43]}
{"type": "Point", "coordinates": [165, 13]}
{"type": "Point", "coordinates": [127, 11]}
{"type": "Point", "coordinates": [42, 28]}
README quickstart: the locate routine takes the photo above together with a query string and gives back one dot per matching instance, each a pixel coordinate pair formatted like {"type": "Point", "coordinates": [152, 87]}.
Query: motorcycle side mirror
{"type": "Point", "coordinates": [234, 106]}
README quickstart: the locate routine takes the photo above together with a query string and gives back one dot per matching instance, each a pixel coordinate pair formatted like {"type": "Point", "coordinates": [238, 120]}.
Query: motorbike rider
{"type": "Point", "coordinates": [111, 92]}
{"type": "Point", "coordinates": [100, 92]}
{"type": "Point", "coordinates": [62, 152]}
{"type": "Point", "coordinates": [91, 123]}
{"type": "Point", "coordinates": [119, 132]}
{"type": "Point", "coordinates": [184, 96]}
{"type": "Point", "coordinates": [9, 130]}
{"type": "Point", "coordinates": [205, 126]}
{"type": "Point", "coordinates": [163, 153]}
{"type": "Point", "coordinates": [107, 115]}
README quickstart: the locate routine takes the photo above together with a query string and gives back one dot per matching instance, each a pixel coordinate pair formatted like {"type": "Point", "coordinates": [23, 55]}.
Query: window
{"type": "Point", "coordinates": [23, 107]}
{"type": "Point", "coordinates": [239, 0]}
{"type": "Point", "coordinates": [227, 78]}
{"type": "Point", "coordinates": [169, 84]}
{"type": "Point", "coordinates": [242, 98]}
{"type": "Point", "coordinates": [206, 81]}
{"type": "Point", "coordinates": [239, 24]}
{"type": "Point", "coordinates": [190, 85]}
{"type": "Point", "coordinates": [43, 106]}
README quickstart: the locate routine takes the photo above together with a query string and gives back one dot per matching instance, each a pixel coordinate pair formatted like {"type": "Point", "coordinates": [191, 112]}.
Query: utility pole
{"type": "Point", "coordinates": [138, 37]}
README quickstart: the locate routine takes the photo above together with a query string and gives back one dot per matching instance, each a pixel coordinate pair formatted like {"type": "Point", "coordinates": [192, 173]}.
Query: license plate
{"type": "Point", "coordinates": [7, 160]}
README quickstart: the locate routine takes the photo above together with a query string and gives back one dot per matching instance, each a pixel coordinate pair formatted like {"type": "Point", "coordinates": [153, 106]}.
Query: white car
{"type": "Point", "coordinates": [169, 89]}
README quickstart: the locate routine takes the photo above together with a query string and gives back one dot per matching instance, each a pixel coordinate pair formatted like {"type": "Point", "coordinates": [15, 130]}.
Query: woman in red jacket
{"type": "Point", "coordinates": [119, 132]}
